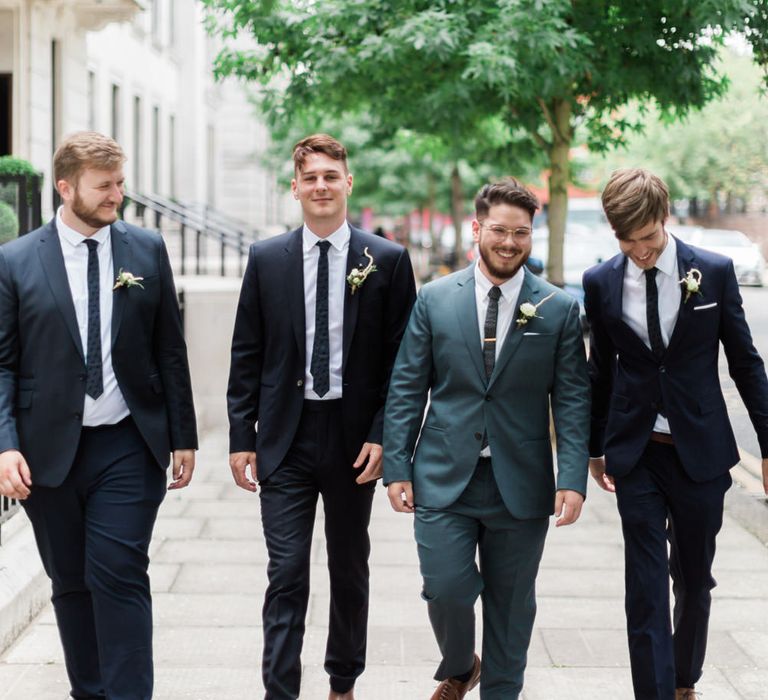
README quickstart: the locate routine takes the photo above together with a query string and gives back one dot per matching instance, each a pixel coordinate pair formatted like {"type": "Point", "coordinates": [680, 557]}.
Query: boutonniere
{"type": "Point", "coordinates": [528, 310]}
{"type": "Point", "coordinates": [127, 279]}
{"type": "Point", "coordinates": [691, 283]}
{"type": "Point", "coordinates": [359, 274]}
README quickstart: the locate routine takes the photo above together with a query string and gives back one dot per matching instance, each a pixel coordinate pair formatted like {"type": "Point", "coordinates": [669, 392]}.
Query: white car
{"type": "Point", "coordinates": [748, 261]}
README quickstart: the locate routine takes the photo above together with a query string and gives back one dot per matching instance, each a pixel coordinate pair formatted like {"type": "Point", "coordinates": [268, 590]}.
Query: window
{"type": "Point", "coordinates": [138, 180]}
{"type": "Point", "coordinates": [156, 149]}
{"type": "Point", "coordinates": [91, 100]}
{"type": "Point", "coordinates": [115, 122]}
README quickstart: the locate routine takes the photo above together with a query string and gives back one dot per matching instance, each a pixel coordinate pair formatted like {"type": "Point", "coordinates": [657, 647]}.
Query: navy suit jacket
{"type": "Point", "coordinates": [42, 364]}
{"type": "Point", "coordinates": [266, 381]}
{"type": "Point", "coordinates": [629, 383]}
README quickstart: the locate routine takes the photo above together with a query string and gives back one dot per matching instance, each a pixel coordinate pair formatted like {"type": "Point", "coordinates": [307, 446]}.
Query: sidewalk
{"type": "Point", "coordinates": [208, 574]}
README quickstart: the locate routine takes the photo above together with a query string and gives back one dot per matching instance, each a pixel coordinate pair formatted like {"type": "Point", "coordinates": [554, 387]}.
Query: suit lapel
{"type": "Point", "coordinates": [466, 315]}
{"type": "Point", "coordinates": [355, 258]}
{"type": "Point", "coordinates": [530, 291]}
{"type": "Point", "coordinates": [294, 276]}
{"type": "Point", "coordinates": [52, 260]}
{"type": "Point", "coordinates": [685, 261]}
{"type": "Point", "coordinates": [122, 256]}
{"type": "Point", "coordinates": [616, 302]}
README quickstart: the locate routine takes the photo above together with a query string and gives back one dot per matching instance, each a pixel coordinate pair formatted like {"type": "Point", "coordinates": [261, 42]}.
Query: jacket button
{"type": "Point", "coordinates": [300, 383]}
{"type": "Point", "coordinates": [478, 436]}
{"type": "Point", "coordinates": [78, 416]}
{"type": "Point", "coordinates": [82, 377]}
{"type": "Point", "coordinates": [662, 369]}
{"type": "Point", "coordinates": [487, 398]}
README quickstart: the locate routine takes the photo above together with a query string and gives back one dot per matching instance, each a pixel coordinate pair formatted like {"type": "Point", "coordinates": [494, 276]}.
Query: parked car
{"type": "Point", "coordinates": [747, 259]}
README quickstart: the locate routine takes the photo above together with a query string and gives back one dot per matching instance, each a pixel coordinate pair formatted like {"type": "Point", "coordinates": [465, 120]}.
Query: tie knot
{"type": "Point", "coordinates": [494, 293]}
{"type": "Point", "coordinates": [92, 245]}
{"type": "Point", "coordinates": [323, 245]}
{"type": "Point", "coordinates": [651, 274]}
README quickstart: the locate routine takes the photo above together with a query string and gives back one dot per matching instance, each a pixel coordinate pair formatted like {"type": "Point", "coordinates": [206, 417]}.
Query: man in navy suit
{"type": "Point", "coordinates": [321, 314]}
{"type": "Point", "coordinates": [95, 394]}
{"type": "Point", "coordinates": [660, 436]}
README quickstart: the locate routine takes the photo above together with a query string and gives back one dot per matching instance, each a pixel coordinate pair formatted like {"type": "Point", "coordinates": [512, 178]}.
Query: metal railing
{"type": "Point", "coordinates": [8, 507]}
{"type": "Point", "coordinates": [205, 225]}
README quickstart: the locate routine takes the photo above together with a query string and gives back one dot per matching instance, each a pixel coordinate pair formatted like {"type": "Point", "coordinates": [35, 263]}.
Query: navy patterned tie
{"type": "Point", "coordinates": [652, 313]}
{"type": "Point", "coordinates": [94, 382]}
{"type": "Point", "coordinates": [321, 353]}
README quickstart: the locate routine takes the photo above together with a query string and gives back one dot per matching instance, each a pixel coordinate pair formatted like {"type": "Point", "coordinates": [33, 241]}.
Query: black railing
{"type": "Point", "coordinates": [8, 507]}
{"type": "Point", "coordinates": [205, 225]}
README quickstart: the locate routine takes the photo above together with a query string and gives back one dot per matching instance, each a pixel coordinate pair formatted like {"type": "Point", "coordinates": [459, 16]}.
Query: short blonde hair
{"type": "Point", "coordinates": [85, 149]}
{"type": "Point", "coordinates": [633, 198]}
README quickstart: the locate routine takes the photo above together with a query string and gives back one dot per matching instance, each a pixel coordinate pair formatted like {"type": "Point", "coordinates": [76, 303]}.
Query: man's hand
{"type": "Point", "coordinates": [567, 507]}
{"type": "Point", "coordinates": [372, 471]}
{"type": "Point", "coordinates": [765, 476]}
{"type": "Point", "coordinates": [401, 496]}
{"type": "Point", "coordinates": [597, 470]}
{"type": "Point", "coordinates": [183, 468]}
{"type": "Point", "coordinates": [15, 477]}
{"type": "Point", "coordinates": [238, 462]}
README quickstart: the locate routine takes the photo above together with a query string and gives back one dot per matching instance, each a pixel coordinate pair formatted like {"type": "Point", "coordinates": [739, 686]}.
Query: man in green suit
{"type": "Point", "coordinates": [493, 347]}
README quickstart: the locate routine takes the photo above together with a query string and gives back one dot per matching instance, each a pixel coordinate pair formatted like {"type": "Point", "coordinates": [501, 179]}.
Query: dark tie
{"type": "Point", "coordinates": [489, 339]}
{"type": "Point", "coordinates": [652, 313]}
{"type": "Point", "coordinates": [321, 352]}
{"type": "Point", "coordinates": [94, 382]}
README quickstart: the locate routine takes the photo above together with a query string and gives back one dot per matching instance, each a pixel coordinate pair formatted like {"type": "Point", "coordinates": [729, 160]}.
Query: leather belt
{"type": "Point", "coordinates": [664, 438]}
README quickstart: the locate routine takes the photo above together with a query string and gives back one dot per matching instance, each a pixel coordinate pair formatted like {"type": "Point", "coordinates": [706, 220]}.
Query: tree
{"type": "Point", "coordinates": [442, 67]}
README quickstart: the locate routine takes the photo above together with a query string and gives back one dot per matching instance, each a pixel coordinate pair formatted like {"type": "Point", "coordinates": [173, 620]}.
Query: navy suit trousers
{"type": "Point", "coordinates": [93, 533]}
{"type": "Point", "coordinates": [316, 464]}
{"type": "Point", "coordinates": [659, 503]}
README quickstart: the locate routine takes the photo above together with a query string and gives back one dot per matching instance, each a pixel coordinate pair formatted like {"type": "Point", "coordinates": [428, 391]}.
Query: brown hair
{"type": "Point", "coordinates": [507, 191]}
{"type": "Point", "coordinates": [633, 198]}
{"type": "Point", "coordinates": [85, 149]}
{"type": "Point", "coordinates": [318, 143]}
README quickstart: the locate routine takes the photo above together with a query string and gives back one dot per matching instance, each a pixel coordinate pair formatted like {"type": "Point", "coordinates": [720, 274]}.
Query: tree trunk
{"type": "Point", "coordinates": [457, 215]}
{"type": "Point", "coordinates": [559, 178]}
{"type": "Point", "coordinates": [434, 235]}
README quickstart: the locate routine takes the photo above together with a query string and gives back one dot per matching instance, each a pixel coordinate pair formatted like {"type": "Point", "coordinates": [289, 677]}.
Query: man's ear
{"type": "Point", "coordinates": [294, 188]}
{"type": "Point", "coordinates": [65, 189]}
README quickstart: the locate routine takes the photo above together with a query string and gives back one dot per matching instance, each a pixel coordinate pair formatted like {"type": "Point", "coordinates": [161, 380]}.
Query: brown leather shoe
{"type": "Point", "coordinates": [451, 689]}
{"type": "Point", "coordinates": [349, 695]}
{"type": "Point", "coordinates": [685, 694]}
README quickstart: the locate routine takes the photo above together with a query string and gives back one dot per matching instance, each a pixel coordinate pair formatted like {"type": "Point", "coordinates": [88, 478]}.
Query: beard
{"type": "Point", "coordinates": [91, 216]}
{"type": "Point", "coordinates": [504, 272]}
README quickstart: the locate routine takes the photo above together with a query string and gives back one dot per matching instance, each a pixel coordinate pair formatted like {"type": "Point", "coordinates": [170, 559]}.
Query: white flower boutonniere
{"type": "Point", "coordinates": [358, 275]}
{"type": "Point", "coordinates": [528, 310]}
{"type": "Point", "coordinates": [691, 283]}
{"type": "Point", "coordinates": [127, 279]}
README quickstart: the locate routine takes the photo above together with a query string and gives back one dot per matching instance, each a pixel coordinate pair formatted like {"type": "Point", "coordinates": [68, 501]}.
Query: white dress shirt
{"type": "Point", "coordinates": [337, 268]}
{"type": "Point", "coordinates": [510, 291]}
{"type": "Point", "coordinates": [633, 302]}
{"type": "Point", "coordinates": [110, 407]}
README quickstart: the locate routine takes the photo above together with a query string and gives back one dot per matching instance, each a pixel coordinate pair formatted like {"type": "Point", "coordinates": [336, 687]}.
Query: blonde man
{"type": "Point", "coordinates": [661, 438]}
{"type": "Point", "coordinates": [95, 395]}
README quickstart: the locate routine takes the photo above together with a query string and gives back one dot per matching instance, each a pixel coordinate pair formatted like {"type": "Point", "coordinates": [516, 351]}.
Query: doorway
{"type": "Point", "coordinates": [6, 112]}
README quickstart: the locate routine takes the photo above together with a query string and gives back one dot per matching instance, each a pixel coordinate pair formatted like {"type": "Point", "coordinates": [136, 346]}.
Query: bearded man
{"type": "Point", "coordinates": [493, 347]}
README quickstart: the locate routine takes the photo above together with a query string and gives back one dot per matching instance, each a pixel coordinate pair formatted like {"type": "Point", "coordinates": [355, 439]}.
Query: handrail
{"type": "Point", "coordinates": [206, 226]}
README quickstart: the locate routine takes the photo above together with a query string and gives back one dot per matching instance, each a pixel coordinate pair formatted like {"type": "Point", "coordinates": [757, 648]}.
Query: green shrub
{"type": "Point", "coordinates": [9, 224]}
{"type": "Point", "coordinates": [9, 165]}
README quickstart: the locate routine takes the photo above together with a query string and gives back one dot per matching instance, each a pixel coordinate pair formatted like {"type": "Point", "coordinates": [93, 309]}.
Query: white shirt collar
{"type": "Point", "coordinates": [666, 263]}
{"type": "Point", "coordinates": [74, 238]}
{"type": "Point", "coordinates": [510, 290]}
{"type": "Point", "coordinates": [339, 239]}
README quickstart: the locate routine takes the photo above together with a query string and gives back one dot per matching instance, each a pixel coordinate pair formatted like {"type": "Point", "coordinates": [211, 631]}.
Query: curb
{"type": "Point", "coordinates": [24, 587]}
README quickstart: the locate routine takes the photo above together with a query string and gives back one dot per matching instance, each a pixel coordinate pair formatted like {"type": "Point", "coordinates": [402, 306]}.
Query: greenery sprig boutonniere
{"type": "Point", "coordinates": [127, 279]}
{"type": "Point", "coordinates": [691, 283]}
{"type": "Point", "coordinates": [358, 275]}
{"type": "Point", "coordinates": [527, 311]}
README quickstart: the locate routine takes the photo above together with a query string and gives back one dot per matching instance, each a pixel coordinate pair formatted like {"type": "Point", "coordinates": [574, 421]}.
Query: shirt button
{"type": "Point", "coordinates": [478, 436]}
{"type": "Point", "coordinates": [300, 383]}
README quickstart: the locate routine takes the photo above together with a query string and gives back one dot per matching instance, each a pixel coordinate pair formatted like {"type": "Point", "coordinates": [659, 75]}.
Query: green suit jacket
{"type": "Point", "coordinates": [541, 364]}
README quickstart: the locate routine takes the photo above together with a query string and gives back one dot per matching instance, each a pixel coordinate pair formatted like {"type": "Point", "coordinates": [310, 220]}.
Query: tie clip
{"type": "Point", "coordinates": [489, 340]}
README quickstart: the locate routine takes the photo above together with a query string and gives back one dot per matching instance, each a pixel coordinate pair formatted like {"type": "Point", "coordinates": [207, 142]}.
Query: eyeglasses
{"type": "Point", "coordinates": [501, 232]}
